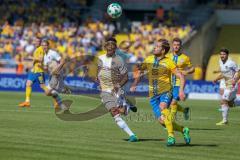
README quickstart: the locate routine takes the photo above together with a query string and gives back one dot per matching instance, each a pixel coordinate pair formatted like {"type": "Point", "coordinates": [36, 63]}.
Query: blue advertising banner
{"type": "Point", "coordinates": [13, 82]}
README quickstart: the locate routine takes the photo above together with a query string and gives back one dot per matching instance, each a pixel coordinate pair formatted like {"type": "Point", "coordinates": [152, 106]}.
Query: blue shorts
{"type": "Point", "coordinates": [175, 93]}
{"type": "Point", "coordinates": [156, 100]}
{"type": "Point", "coordinates": [36, 77]}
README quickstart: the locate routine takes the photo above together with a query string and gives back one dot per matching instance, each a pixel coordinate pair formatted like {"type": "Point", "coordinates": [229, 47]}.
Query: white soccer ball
{"type": "Point", "coordinates": [114, 10]}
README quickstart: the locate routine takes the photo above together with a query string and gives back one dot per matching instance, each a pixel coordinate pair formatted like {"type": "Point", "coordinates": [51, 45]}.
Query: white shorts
{"type": "Point", "coordinates": [229, 94]}
{"type": "Point", "coordinates": [56, 83]}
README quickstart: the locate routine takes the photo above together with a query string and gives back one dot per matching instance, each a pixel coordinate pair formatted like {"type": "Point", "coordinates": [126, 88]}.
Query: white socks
{"type": "Point", "coordinates": [225, 112]}
{"type": "Point", "coordinates": [123, 125]}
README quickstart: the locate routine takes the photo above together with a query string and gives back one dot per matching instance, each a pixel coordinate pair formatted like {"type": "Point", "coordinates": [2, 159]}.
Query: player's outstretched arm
{"type": "Point", "coordinates": [216, 71]}
{"type": "Point", "coordinates": [182, 83]}
{"type": "Point", "coordinates": [136, 80]}
{"type": "Point", "coordinates": [236, 77]}
{"type": "Point", "coordinates": [189, 71]}
{"type": "Point", "coordinates": [219, 77]}
{"type": "Point", "coordinates": [124, 80]}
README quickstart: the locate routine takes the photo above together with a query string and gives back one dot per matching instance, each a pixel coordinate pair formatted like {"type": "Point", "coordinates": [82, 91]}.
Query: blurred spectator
{"type": "Point", "coordinates": [160, 13]}
{"type": "Point", "coordinates": [198, 74]}
{"type": "Point", "coordinates": [20, 66]}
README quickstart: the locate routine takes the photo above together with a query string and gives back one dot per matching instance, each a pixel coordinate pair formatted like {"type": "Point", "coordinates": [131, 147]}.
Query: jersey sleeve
{"type": "Point", "coordinates": [188, 62]}
{"type": "Point", "coordinates": [235, 67]}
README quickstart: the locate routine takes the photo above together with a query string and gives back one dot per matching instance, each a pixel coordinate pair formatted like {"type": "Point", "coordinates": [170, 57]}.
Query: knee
{"type": "Point", "coordinates": [48, 93]}
{"type": "Point", "coordinates": [163, 106]}
{"type": "Point", "coordinates": [173, 102]}
{"type": "Point", "coordinates": [114, 111]}
{"type": "Point", "coordinates": [29, 83]}
{"type": "Point", "coordinates": [161, 120]}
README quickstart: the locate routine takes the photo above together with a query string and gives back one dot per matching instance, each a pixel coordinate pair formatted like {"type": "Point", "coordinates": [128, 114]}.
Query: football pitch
{"type": "Point", "coordinates": [37, 133]}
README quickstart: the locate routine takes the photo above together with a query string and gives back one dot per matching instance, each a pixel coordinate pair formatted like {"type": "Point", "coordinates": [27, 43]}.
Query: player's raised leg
{"type": "Point", "coordinates": [159, 105]}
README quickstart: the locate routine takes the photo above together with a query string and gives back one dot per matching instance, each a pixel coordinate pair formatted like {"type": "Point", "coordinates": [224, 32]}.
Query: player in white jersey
{"type": "Point", "coordinates": [229, 73]}
{"type": "Point", "coordinates": [112, 75]}
{"type": "Point", "coordinates": [53, 64]}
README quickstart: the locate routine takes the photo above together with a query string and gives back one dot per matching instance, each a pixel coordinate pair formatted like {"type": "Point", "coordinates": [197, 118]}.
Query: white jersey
{"type": "Point", "coordinates": [51, 59]}
{"type": "Point", "coordinates": [228, 70]}
{"type": "Point", "coordinates": [110, 71]}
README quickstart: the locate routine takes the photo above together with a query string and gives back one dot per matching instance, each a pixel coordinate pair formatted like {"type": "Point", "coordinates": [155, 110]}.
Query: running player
{"type": "Point", "coordinates": [53, 64]}
{"type": "Point", "coordinates": [112, 75]}
{"type": "Point", "coordinates": [185, 66]}
{"type": "Point", "coordinates": [159, 69]}
{"type": "Point", "coordinates": [229, 72]}
{"type": "Point", "coordinates": [36, 75]}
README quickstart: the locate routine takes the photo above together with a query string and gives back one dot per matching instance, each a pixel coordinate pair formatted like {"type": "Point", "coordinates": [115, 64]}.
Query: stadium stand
{"type": "Point", "coordinates": [68, 34]}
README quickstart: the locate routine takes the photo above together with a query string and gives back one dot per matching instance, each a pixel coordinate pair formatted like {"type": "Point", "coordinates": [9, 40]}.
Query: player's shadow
{"type": "Point", "coordinates": [148, 139]}
{"type": "Point", "coordinates": [195, 145]}
{"type": "Point", "coordinates": [206, 129]}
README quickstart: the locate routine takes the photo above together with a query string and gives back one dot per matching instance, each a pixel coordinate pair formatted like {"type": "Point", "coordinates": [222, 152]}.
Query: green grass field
{"type": "Point", "coordinates": [36, 133]}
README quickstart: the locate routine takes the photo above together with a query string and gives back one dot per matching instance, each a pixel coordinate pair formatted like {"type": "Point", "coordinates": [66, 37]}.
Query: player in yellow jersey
{"type": "Point", "coordinates": [159, 69]}
{"type": "Point", "coordinates": [185, 66]}
{"type": "Point", "coordinates": [36, 75]}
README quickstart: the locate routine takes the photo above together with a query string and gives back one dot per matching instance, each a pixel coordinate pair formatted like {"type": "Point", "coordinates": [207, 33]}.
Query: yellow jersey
{"type": "Point", "coordinates": [182, 62]}
{"type": "Point", "coordinates": [159, 74]}
{"type": "Point", "coordinates": [38, 55]}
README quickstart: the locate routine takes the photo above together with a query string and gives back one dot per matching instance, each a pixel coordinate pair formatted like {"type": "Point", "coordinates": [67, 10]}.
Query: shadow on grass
{"type": "Point", "coordinates": [206, 129]}
{"type": "Point", "coordinates": [195, 145]}
{"type": "Point", "coordinates": [148, 139]}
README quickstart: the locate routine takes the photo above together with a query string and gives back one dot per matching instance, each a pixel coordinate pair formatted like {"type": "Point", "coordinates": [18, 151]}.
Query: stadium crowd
{"type": "Point", "coordinates": [70, 39]}
{"type": "Point", "coordinates": [68, 36]}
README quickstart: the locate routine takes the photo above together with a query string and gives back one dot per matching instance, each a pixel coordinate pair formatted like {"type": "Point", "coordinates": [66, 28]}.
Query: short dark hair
{"type": "Point", "coordinates": [225, 50]}
{"type": "Point", "coordinates": [176, 39]}
{"type": "Point", "coordinates": [165, 44]}
{"type": "Point", "coordinates": [45, 41]}
{"type": "Point", "coordinates": [112, 39]}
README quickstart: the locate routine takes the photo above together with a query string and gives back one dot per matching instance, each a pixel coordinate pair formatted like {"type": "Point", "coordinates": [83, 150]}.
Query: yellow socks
{"type": "Point", "coordinates": [28, 93]}
{"type": "Point", "coordinates": [168, 122]}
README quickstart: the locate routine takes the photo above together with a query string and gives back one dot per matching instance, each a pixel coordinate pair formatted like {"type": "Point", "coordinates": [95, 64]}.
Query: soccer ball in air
{"type": "Point", "coordinates": [114, 10]}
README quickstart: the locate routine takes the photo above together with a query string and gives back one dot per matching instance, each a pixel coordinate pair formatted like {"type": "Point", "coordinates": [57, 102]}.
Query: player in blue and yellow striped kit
{"type": "Point", "coordinates": [184, 65]}
{"type": "Point", "coordinates": [160, 69]}
{"type": "Point", "coordinates": [36, 75]}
